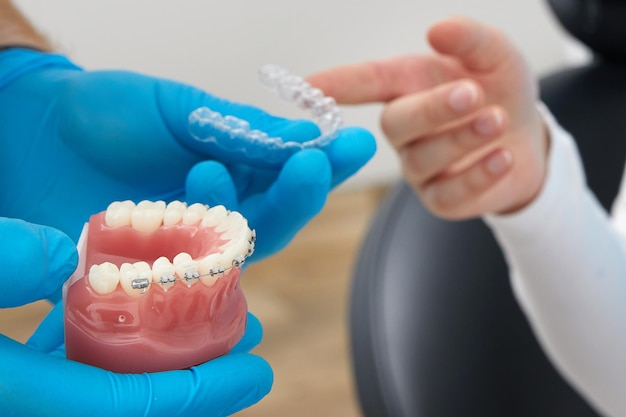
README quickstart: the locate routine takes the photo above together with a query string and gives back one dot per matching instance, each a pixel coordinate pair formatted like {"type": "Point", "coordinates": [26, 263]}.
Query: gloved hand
{"type": "Point", "coordinates": [74, 140]}
{"type": "Point", "coordinates": [37, 380]}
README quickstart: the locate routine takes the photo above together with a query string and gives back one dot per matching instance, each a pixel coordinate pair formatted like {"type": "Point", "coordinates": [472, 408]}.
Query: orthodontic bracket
{"type": "Point", "coordinates": [167, 280]}
{"type": "Point", "coordinates": [140, 284]}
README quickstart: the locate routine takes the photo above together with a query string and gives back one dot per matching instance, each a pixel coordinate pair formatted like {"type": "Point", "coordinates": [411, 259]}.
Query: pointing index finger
{"type": "Point", "coordinates": [382, 80]}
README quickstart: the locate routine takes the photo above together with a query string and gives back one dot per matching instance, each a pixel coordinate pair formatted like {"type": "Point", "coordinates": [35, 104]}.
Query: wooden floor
{"type": "Point", "coordinates": [300, 296]}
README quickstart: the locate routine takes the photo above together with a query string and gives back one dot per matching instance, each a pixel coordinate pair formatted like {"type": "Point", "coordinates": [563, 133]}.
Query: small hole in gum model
{"type": "Point", "coordinates": [149, 299]}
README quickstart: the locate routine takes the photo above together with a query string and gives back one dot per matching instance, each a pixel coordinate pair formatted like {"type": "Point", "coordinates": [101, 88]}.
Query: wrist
{"type": "Point", "coordinates": [25, 46]}
{"type": "Point", "coordinates": [16, 31]}
{"type": "Point", "coordinates": [16, 62]}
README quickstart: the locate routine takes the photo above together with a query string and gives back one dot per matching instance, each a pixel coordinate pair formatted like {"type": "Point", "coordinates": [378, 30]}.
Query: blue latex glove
{"type": "Point", "coordinates": [36, 379]}
{"type": "Point", "coordinates": [74, 140]}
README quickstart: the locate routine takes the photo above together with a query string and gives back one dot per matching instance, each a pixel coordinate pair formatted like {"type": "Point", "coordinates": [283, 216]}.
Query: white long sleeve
{"type": "Point", "coordinates": [568, 271]}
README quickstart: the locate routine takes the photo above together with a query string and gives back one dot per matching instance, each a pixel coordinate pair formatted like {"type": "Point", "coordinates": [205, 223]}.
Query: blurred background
{"type": "Point", "coordinates": [301, 294]}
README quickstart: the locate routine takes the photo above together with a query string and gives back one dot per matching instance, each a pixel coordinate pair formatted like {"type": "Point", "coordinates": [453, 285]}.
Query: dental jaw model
{"type": "Point", "coordinates": [157, 287]}
{"type": "Point", "coordinates": [234, 136]}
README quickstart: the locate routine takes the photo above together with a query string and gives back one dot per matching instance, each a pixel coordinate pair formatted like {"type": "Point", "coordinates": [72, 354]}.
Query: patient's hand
{"type": "Point", "coordinates": [463, 120]}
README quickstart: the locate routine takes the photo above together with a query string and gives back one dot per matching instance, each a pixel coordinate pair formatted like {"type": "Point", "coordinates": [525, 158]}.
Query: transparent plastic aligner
{"type": "Point", "coordinates": [232, 134]}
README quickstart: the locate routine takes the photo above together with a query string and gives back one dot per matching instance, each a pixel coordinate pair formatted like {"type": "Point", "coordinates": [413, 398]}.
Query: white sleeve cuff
{"type": "Point", "coordinates": [565, 180]}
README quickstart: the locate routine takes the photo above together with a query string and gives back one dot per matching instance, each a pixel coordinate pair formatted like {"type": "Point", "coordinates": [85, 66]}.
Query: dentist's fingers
{"type": "Point", "coordinates": [385, 79]}
{"type": "Point", "coordinates": [424, 113]}
{"type": "Point", "coordinates": [35, 261]}
{"type": "Point", "coordinates": [49, 334]}
{"type": "Point", "coordinates": [251, 338]}
{"type": "Point", "coordinates": [209, 182]}
{"type": "Point", "coordinates": [477, 46]}
{"type": "Point", "coordinates": [219, 387]}
{"type": "Point", "coordinates": [349, 152]}
{"type": "Point", "coordinates": [296, 196]}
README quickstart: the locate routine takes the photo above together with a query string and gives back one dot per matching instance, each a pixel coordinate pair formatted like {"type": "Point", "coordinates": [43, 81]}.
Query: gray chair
{"type": "Point", "coordinates": [435, 330]}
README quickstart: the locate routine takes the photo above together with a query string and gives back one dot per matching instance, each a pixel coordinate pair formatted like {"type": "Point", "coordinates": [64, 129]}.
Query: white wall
{"type": "Point", "coordinates": [218, 45]}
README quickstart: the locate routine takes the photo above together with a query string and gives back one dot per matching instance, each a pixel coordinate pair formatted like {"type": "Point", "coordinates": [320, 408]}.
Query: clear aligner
{"type": "Point", "coordinates": [233, 134]}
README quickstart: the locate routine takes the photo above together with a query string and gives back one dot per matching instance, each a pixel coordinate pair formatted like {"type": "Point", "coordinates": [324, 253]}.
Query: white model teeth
{"type": "Point", "coordinates": [118, 213]}
{"type": "Point", "coordinates": [213, 267]}
{"type": "Point", "coordinates": [194, 214]}
{"type": "Point", "coordinates": [214, 216]}
{"type": "Point", "coordinates": [231, 224]}
{"type": "Point", "coordinates": [104, 278]}
{"type": "Point", "coordinates": [238, 235]}
{"type": "Point", "coordinates": [174, 213]}
{"type": "Point", "coordinates": [132, 276]}
{"type": "Point", "coordinates": [148, 216]}
{"type": "Point", "coordinates": [164, 273]}
{"type": "Point", "coordinates": [136, 278]}
{"type": "Point", "coordinates": [186, 268]}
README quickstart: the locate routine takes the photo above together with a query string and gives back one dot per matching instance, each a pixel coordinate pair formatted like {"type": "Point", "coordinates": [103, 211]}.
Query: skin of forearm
{"type": "Point", "coordinates": [17, 31]}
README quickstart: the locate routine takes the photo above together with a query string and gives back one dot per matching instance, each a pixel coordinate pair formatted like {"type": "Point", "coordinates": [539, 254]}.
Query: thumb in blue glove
{"type": "Point", "coordinates": [36, 379]}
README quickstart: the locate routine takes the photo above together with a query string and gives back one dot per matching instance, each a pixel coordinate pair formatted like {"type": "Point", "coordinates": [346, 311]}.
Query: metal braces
{"type": "Point", "coordinates": [168, 280]}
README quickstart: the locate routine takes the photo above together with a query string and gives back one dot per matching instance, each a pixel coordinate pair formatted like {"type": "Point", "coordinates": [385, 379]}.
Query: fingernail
{"type": "Point", "coordinates": [463, 97]}
{"type": "Point", "coordinates": [499, 162]}
{"type": "Point", "coordinates": [488, 124]}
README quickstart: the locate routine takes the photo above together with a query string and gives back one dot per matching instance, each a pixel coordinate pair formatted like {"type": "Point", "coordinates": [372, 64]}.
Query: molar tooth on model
{"type": "Point", "coordinates": [214, 216]}
{"type": "Point", "coordinates": [133, 273]}
{"type": "Point", "coordinates": [148, 216]}
{"type": "Point", "coordinates": [104, 277]}
{"type": "Point", "coordinates": [194, 213]}
{"type": "Point", "coordinates": [174, 213]}
{"type": "Point", "coordinates": [186, 268]}
{"type": "Point", "coordinates": [145, 274]}
{"type": "Point", "coordinates": [119, 213]}
{"type": "Point", "coordinates": [154, 205]}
